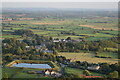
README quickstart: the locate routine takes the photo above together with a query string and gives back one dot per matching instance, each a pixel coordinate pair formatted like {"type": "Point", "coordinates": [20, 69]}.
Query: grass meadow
{"type": "Point", "coordinates": [89, 57]}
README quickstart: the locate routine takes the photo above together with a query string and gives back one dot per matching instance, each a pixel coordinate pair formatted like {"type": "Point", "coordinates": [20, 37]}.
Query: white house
{"type": "Point", "coordinates": [53, 72]}
{"type": "Point", "coordinates": [27, 47]}
{"type": "Point", "coordinates": [4, 44]}
{"type": "Point", "coordinates": [93, 67]}
{"type": "Point", "coordinates": [56, 40]}
{"type": "Point", "coordinates": [47, 72]}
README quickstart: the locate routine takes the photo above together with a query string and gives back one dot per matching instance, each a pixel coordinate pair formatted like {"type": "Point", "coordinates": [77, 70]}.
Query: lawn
{"type": "Point", "coordinates": [80, 72]}
{"type": "Point", "coordinates": [18, 73]}
{"type": "Point", "coordinates": [89, 57]}
{"type": "Point", "coordinates": [24, 75]}
{"type": "Point", "coordinates": [10, 71]}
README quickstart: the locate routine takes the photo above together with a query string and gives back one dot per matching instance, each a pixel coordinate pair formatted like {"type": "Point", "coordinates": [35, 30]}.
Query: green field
{"type": "Point", "coordinates": [89, 57]}
{"type": "Point", "coordinates": [79, 72]}
{"type": "Point", "coordinates": [54, 27]}
{"type": "Point", "coordinates": [19, 73]}
{"type": "Point", "coordinates": [109, 54]}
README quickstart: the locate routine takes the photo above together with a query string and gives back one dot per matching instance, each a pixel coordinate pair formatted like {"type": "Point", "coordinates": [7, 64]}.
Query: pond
{"type": "Point", "coordinates": [28, 65]}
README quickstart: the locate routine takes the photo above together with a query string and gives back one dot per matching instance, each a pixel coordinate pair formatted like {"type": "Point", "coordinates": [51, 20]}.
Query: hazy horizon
{"type": "Point", "coordinates": [62, 5]}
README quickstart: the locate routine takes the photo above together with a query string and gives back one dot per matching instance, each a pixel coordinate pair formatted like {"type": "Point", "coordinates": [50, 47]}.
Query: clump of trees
{"type": "Point", "coordinates": [98, 46]}
{"type": "Point", "coordinates": [114, 74]}
{"type": "Point", "coordinates": [87, 73]}
{"type": "Point", "coordinates": [23, 32]}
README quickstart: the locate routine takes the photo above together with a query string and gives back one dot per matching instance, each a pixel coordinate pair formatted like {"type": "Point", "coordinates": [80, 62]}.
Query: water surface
{"type": "Point", "coordinates": [28, 65]}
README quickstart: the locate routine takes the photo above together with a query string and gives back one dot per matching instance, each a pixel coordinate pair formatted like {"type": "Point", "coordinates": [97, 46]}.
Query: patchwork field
{"type": "Point", "coordinates": [88, 28]}
{"type": "Point", "coordinates": [96, 27]}
{"type": "Point", "coordinates": [89, 57]}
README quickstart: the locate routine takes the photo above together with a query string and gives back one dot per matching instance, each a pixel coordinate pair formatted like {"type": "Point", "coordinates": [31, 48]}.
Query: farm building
{"type": "Point", "coordinates": [48, 51]}
{"type": "Point", "coordinates": [47, 72]}
{"type": "Point", "coordinates": [93, 67]}
{"type": "Point", "coordinates": [56, 40]}
{"type": "Point", "coordinates": [27, 47]}
{"type": "Point", "coordinates": [52, 73]}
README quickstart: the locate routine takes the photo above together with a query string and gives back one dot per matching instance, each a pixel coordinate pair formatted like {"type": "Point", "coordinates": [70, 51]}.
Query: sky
{"type": "Point", "coordinates": [60, 0]}
{"type": "Point", "coordinates": [94, 5]}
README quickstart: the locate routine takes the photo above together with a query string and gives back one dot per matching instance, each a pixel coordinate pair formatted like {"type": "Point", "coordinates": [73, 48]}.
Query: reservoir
{"type": "Point", "coordinates": [28, 65]}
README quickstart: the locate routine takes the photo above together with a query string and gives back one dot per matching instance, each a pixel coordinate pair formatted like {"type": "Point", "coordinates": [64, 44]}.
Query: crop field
{"type": "Point", "coordinates": [89, 57]}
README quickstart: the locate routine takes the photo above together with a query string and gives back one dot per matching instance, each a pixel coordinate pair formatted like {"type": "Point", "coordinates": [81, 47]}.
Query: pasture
{"type": "Point", "coordinates": [89, 57]}
{"type": "Point", "coordinates": [79, 72]}
{"type": "Point", "coordinates": [20, 73]}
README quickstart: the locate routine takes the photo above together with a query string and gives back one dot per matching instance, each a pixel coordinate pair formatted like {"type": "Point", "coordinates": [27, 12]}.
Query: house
{"type": "Point", "coordinates": [27, 47]}
{"type": "Point", "coordinates": [47, 72]}
{"type": "Point", "coordinates": [60, 40]}
{"type": "Point", "coordinates": [63, 40]}
{"type": "Point", "coordinates": [58, 74]}
{"type": "Point", "coordinates": [76, 40]}
{"type": "Point", "coordinates": [38, 47]}
{"type": "Point", "coordinates": [52, 73]}
{"type": "Point", "coordinates": [4, 44]}
{"type": "Point", "coordinates": [93, 67]}
{"type": "Point", "coordinates": [56, 40]}
{"type": "Point", "coordinates": [48, 51]}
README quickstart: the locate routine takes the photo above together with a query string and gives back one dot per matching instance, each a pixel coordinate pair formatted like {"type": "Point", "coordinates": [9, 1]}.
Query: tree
{"type": "Point", "coordinates": [114, 74]}
{"type": "Point", "coordinates": [87, 73]}
{"type": "Point", "coordinates": [23, 32]}
{"type": "Point", "coordinates": [55, 52]}
{"type": "Point", "coordinates": [23, 45]}
{"type": "Point", "coordinates": [19, 50]}
{"type": "Point", "coordinates": [69, 38]}
{"type": "Point", "coordinates": [5, 76]}
{"type": "Point", "coordinates": [62, 69]}
{"type": "Point", "coordinates": [8, 58]}
{"type": "Point", "coordinates": [50, 38]}
{"type": "Point", "coordinates": [105, 68]}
